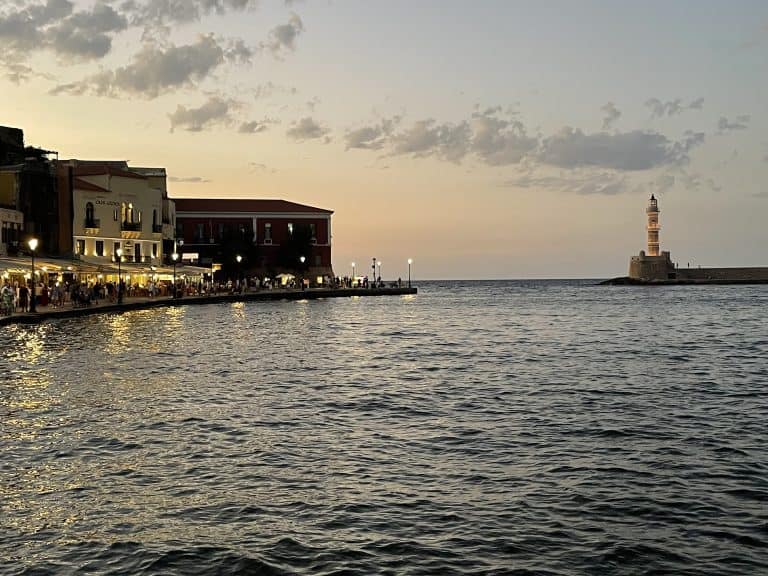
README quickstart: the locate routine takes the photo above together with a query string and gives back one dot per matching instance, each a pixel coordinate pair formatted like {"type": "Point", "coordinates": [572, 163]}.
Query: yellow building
{"type": "Point", "coordinates": [116, 208]}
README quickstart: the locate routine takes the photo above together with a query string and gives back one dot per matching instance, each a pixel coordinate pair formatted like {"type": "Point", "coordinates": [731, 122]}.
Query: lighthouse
{"type": "Point", "coordinates": [653, 226]}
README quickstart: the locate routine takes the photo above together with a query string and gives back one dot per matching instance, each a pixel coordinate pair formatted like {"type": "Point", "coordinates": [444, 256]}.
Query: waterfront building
{"type": "Point", "coordinates": [28, 185]}
{"type": "Point", "coordinates": [11, 225]}
{"type": "Point", "coordinates": [272, 236]}
{"type": "Point", "coordinates": [116, 208]}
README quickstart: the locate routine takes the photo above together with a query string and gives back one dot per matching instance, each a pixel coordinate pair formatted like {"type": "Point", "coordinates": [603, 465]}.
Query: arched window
{"type": "Point", "coordinates": [89, 212]}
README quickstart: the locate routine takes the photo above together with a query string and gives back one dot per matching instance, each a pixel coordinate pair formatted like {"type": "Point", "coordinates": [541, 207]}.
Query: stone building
{"type": "Point", "coordinates": [271, 236]}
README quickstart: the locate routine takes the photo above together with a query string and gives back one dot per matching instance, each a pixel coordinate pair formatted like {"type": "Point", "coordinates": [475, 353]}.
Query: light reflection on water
{"type": "Point", "coordinates": [474, 427]}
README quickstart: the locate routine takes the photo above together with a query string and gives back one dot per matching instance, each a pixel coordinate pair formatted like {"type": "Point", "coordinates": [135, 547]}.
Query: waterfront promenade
{"type": "Point", "coordinates": [142, 302]}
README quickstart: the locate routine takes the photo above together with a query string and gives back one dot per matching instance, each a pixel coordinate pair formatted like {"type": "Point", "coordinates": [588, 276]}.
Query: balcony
{"type": "Point", "coordinates": [131, 226]}
{"type": "Point", "coordinates": [157, 228]}
{"type": "Point", "coordinates": [92, 226]}
{"type": "Point", "coordinates": [130, 230]}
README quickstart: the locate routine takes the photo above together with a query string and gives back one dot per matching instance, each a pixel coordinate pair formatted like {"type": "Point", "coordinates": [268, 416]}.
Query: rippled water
{"type": "Point", "coordinates": [477, 428]}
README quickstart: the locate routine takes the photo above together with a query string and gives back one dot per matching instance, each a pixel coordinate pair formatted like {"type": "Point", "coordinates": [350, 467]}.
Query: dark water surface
{"type": "Point", "coordinates": [477, 428]}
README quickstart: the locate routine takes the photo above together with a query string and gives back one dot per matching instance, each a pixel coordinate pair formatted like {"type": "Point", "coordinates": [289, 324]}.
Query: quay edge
{"type": "Point", "coordinates": [148, 303]}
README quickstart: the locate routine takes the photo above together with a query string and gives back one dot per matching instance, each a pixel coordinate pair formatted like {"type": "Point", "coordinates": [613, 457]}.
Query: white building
{"type": "Point", "coordinates": [116, 207]}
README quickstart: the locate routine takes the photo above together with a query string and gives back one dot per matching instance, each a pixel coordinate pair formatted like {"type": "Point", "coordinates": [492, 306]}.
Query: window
{"type": "Point", "coordinates": [290, 228]}
{"type": "Point", "coordinates": [89, 212]}
{"type": "Point", "coordinates": [115, 248]}
{"type": "Point", "coordinates": [154, 250]}
{"type": "Point", "coordinates": [114, 214]}
{"type": "Point", "coordinates": [221, 231]}
{"type": "Point", "coordinates": [154, 218]}
{"type": "Point", "coordinates": [199, 231]}
{"type": "Point", "coordinates": [80, 247]}
{"type": "Point", "coordinates": [99, 247]}
{"type": "Point", "coordinates": [268, 231]}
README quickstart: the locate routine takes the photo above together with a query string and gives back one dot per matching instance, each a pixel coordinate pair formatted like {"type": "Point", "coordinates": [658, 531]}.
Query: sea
{"type": "Point", "coordinates": [500, 427]}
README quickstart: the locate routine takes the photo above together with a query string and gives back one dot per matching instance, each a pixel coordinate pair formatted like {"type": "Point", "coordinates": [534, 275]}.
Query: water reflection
{"type": "Point", "coordinates": [354, 433]}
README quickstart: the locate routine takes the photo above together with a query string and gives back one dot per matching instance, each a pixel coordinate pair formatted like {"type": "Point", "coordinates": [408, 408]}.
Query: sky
{"type": "Point", "coordinates": [482, 139]}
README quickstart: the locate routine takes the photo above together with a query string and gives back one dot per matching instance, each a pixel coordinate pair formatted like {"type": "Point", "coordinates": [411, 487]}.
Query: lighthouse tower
{"type": "Point", "coordinates": [653, 226]}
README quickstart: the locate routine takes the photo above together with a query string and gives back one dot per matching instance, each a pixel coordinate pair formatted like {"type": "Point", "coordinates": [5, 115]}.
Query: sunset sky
{"type": "Point", "coordinates": [483, 139]}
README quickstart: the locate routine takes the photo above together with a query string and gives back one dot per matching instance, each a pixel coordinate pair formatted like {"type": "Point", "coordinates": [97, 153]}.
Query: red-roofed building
{"type": "Point", "coordinates": [274, 234]}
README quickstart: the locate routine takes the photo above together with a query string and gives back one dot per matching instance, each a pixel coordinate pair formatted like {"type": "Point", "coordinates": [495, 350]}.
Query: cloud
{"type": "Point", "coordinates": [611, 115]}
{"type": "Point", "coordinates": [260, 167]}
{"type": "Point", "coordinates": [498, 141]}
{"type": "Point", "coordinates": [428, 138]}
{"type": "Point", "coordinates": [189, 179]}
{"type": "Point", "coordinates": [585, 183]}
{"type": "Point", "coordinates": [724, 125]}
{"type": "Point", "coordinates": [307, 129]}
{"type": "Point", "coordinates": [269, 89]}
{"type": "Point", "coordinates": [626, 151]}
{"type": "Point", "coordinates": [79, 35]}
{"type": "Point", "coordinates": [18, 73]}
{"type": "Point", "coordinates": [86, 34]}
{"type": "Point", "coordinates": [155, 71]}
{"type": "Point", "coordinates": [283, 38]}
{"type": "Point", "coordinates": [256, 126]}
{"type": "Point", "coordinates": [214, 111]}
{"type": "Point", "coordinates": [155, 13]}
{"type": "Point", "coordinates": [674, 107]}
{"type": "Point", "coordinates": [238, 51]}
{"type": "Point", "coordinates": [371, 137]}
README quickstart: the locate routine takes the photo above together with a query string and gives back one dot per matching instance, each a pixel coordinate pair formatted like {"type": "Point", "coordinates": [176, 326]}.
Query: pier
{"type": "Point", "coordinates": [142, 303]}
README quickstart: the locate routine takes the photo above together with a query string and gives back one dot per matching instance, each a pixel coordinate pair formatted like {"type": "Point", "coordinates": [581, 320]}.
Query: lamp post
{"type": "Point", "coordinates": [239, 259]}
{"type": "Point", "coordinates": [302, 259]}
{"type": "Point", "coordinates": [378, 263]}
{"type": "Point", "coordinates": [410, 261]}
{"type": "Point", "coordinates": [353, 274]}
{"type": "Point", "coordinates": [174, 257]}
{"type": "Point", "coordinates": [119, 253]}
{"type": "Point", "coordinates": [32, 247]}
{"type": "Point", "coordinates": [373, 273]}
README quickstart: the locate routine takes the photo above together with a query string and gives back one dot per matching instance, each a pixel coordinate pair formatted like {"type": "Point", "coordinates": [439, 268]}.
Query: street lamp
{"type": "Point", "coordinates": [302, 259]}
{"type": "Point", "coordinates": [119, 253]}
{"type": "Point", "coordinates": [239, 259]}
{"type": "Point", "coordinates": [353, 274]}
{"type": "Point", "coordinates": [32, 247]}
{"type": "Point", "coordinates": [373, 268]}
{"type": "Point", "coordinates": [410, 261]}
{"type": "Point", "coordinates": [378, 263]}
{"type": "Point", "coordinates": [174, 257]}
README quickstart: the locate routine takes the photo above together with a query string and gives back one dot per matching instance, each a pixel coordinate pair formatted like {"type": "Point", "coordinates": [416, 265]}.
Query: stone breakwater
{"type": "Point", "coordinates": [68, 311]}
{"type": "Point", "coordinates": [693, 280]}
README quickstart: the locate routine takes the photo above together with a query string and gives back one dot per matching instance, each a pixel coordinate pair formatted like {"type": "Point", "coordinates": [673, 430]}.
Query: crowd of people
{"type": "Point", "coordinates": [16, 297]}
